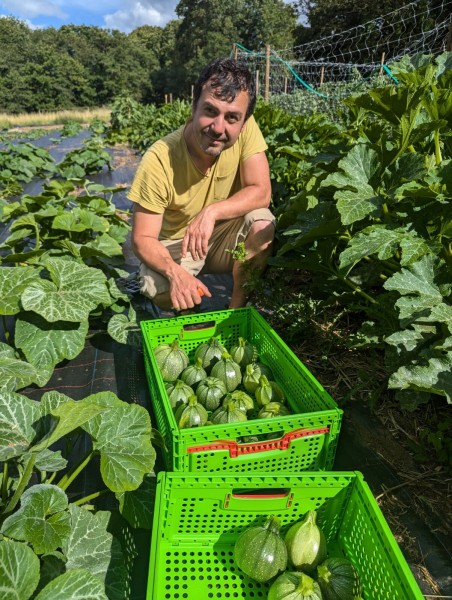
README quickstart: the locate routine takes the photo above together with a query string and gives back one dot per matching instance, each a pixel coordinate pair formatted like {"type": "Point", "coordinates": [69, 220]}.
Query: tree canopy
{"type": "Point", "coordinates": [86, 66]}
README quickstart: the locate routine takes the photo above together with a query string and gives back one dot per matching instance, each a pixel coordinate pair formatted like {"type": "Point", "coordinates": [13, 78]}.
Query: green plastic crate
{"type": "Point", "coordinates": [304, 440]}
{"type": "Point", "coordinates": [198, 518]}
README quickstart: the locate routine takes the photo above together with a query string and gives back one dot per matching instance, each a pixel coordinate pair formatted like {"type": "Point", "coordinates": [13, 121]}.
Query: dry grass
{"type": "Point", "coordinates": [53, 118]}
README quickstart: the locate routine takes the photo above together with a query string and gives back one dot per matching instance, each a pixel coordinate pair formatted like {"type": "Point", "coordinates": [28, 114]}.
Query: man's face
{"type": "Point", "coordinates": [216, 124]}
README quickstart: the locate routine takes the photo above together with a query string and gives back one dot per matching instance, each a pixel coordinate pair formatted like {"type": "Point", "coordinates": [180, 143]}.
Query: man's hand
{"type": "Point", "coordinates": [186, 290]}
{"type": "Point", "coordinates": [198, 233]}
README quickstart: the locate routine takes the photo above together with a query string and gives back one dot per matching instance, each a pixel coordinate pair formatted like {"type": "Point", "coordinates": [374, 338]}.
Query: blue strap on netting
{"type": "Point", "coordinates": [306, 85]}
{"type": "Point", "coordinates": [388, 71]}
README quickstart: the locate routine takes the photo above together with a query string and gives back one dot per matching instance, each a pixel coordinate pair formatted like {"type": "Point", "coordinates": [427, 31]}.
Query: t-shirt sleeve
{"type": "Point", "coordinates": [150, 187]}
{"type": "Point", "coordinates": [253, 141]}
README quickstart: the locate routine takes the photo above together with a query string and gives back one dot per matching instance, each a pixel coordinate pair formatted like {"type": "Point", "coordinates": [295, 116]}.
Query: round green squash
{"type": "Point", "coordinates": [178, 393]}
{"type": "Point", "coordinates": [243, 353]}
{"type": "Point", "coordinates": [268, 391]}
{"type": "Point", "coordinates": [260, 551]}
{"type": "Point", "coordinates": [294, 586]}
{"type": "Point", "coordinates": [210, 392]}
{"type": "Point", "coordinates": [228, 371]}
{"type": "Point", "coordinates": [210, 352]}
{"type": "Point", "coordinates": [273, 409]}
{"type": "Point", "coordinates": [228, 413]}
{"type": "Point", "coordinates": [339, 580]}
{"type": "Point", "coordinates": [240, 400]}
{"type": "Point", "coordinates": [306, 543]}
{"type": "Point", "coordinates": [191, 414]}
{"type": "Point", "coordinates": [194, 373]}
{"type": "Point", "coordinates": [171, 360]}
{"type": "Point", "coordinates": [251, 376]}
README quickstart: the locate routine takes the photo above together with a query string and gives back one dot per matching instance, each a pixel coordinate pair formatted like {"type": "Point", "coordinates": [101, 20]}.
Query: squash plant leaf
{"type": "Point", "coordinates": [356, 180]}
{"type": "Point", "coordinates": [19, 570]}
{"type": "Point", "coordinates": [47, 344]}
{"type": "Point", "coordinates": [417, 280]}
{"type": "Point", "coordinates": [15, 374]}
{"type": "Point", "coordinates": [104, 245]}
{"type": "Point", "coordinates": [73, 292]}
{"type": "Point", "coordinates": [70, 415]}
{"type": "Point", "coordinates": [50, 461]}
{"type": "Point", "coordinates": [42, 519]}
{"type": "Point", "coordinates": [137, 507]}
{"type": "Point", "coordinates": [77, 584]}
{"type": "Point", "coordinates": [431, 376]}
{"type": "Point", "coordinates": [125, 329]}
{"type": "Point", "coordinates": [13, 281]}
{"type": "Point", "coordinates": [88, 545]}
{"type": "Point", "coordinates": [122, 435]}
{"type": "Point", "coordinates": [17, 416]}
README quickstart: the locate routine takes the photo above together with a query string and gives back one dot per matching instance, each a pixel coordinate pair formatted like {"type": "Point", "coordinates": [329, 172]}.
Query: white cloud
{"type": "Point", "coordinates": [141, 13]}
{"type": "Point", "coordinates": [29, 9]}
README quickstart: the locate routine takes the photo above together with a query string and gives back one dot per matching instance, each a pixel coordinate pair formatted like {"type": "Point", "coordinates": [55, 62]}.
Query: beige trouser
{"type": "Point", "coordinates": [226, 235]}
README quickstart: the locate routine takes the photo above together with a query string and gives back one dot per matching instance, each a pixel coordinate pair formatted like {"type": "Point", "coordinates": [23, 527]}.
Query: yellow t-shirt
{"type": "Point", "coordinates": [167, 182]}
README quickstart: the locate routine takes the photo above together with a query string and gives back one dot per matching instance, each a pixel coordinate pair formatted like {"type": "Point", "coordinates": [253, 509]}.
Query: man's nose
{"type": "Point", "coordinates": [218, 124]}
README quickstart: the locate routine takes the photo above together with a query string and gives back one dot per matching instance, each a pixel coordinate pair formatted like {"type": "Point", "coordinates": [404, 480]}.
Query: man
{"type": "Point", "coordinates": [200, 191]}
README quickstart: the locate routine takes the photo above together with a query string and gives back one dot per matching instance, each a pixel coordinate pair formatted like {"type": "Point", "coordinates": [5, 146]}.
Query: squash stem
{"type": "Point", "coordinates": [28, 471]}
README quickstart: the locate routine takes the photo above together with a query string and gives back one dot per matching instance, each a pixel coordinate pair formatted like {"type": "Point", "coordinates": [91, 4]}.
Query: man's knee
{"type": "Point", "coordinates": [260, 236]}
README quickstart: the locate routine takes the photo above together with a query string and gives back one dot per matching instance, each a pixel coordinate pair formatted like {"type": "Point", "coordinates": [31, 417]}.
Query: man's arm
{"type": "Point", "coordinates": [184, 288]}
{"type": "Point", "coordinates": [255, 193]}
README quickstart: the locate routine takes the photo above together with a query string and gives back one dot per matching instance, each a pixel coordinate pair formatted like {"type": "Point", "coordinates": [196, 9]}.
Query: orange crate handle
{"type": "Point", "coordinates": [236, 449]}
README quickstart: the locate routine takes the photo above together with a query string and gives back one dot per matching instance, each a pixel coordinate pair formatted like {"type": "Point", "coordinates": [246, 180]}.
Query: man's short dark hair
{"type": "Point", "coordinates": [227, 77]}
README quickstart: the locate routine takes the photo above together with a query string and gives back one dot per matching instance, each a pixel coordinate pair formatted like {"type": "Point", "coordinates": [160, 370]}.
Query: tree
{"type": "Point", "coordinates": [209, 28]}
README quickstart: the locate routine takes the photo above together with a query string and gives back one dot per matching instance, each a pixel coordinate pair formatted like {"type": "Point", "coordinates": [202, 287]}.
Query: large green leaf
{"type": "Point", "coordinates": [79, 220]}
{"type": "Point", "coordinates": [89, 544]}
{"type": "Point", "coordinates": [19, 571]}
{"type": "Point", "coordinates": [417, 280]}
{"type": "Point", "coordinates": [77, 584]}
{"type": "Point", "coordinates": [75, 291]}
{"type": "Point", "coordinates": [17, 416]}
{"type": "Point", "coordinates": [70, 415]}
{"type": "Point", "coordinates": [104, 245]}
{"type": "Point", "coordinates": [15, 374]}
{"type": "Point", "coordinates": [138, 506]}
{"type": "Point", "coordinates": [357, 179]}
{"type": "Point", "coordinates": [125, 329]}
{"type": "Point", "coordinates": [432, 376]}
{"type": "Point", "coordinates": [122, 435]}
{"type": "Point", "coordinates": [42, 519]}
{"type": "Point", "coordinates": [48, 344]}
{"type": "Point", "coordinates": [384, 242]}
{"type": "Point", "coordinates": [13, 281]}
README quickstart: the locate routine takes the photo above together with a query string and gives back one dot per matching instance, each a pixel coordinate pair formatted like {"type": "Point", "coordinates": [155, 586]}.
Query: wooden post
{"type": "Point", "coordinates": [257, 82]}
{"type": "Point", "coordinates": [235, 51]}
{"type": "Point", "coordinates": [192, 91]}
{"type": "Point", "coordinates": [449, 40]}
{"type": "Point", "coordinates": [285, 85]}
{"type": "Point", "coordinates": [166, 98]}
{"type": "Point", "coordinates": [322, 74]}
{"type": "Point", "coordinates": [267, 73]}
{"type": "Point", "coordinates": [171, 97]}
{"type": "Point", "coordinates": [382, 62]}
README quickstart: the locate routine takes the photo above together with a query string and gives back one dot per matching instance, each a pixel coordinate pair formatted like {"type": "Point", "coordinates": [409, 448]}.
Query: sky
{"type": "Point", "coordinates": [124, 15]}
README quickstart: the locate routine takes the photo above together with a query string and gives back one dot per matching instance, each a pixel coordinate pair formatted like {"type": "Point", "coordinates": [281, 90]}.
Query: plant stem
{"type": "Point", "coordinates": [5, 329]}
{"type": "Point", "coordinates": [357, 289]}
{"type": "Point", "coordinates": [438, 156]}
{"type": "Point", "coordinates": [67, 479]}
{"type": "Point", "coordinates": [91, 497]}
{"type": "Point", "coordinates": [5, 482]}
{"type": "Point", "coordinates": [22, 485]}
